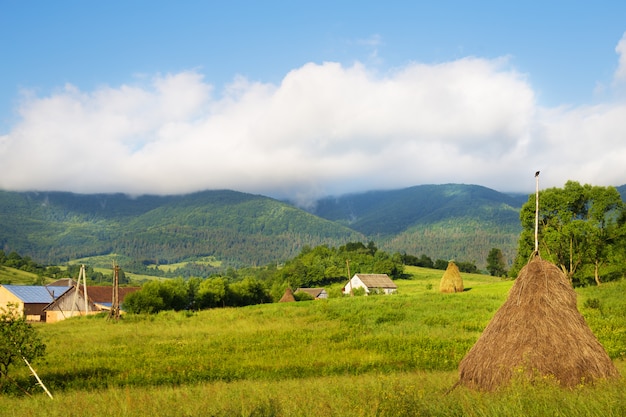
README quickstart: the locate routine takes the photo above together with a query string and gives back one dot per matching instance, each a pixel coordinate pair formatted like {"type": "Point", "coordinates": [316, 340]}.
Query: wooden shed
{"type": "Point", "coordinates": [70, 304]}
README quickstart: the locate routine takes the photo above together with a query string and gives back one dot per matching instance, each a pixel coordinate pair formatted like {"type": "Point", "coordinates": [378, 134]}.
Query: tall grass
{"type": "Point", "coordinates": [361, 356]}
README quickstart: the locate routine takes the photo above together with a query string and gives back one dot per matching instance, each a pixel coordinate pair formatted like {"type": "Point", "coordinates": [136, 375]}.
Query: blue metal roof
{"type": "Point", "coordinates": [36, 293]}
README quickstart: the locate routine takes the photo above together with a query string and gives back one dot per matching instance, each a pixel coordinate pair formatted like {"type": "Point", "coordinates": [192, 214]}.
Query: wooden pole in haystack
{"type": "Point", "coordinates": [537, 213]}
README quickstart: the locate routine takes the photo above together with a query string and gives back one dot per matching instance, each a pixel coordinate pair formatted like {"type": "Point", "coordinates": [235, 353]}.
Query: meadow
{"type": "Point", "coordinates": [16, 277]}
{"type": "Point", "coordinates": [354, 356]}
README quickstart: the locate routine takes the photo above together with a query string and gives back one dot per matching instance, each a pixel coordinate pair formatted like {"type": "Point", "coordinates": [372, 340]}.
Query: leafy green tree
{"type": "Point", "coordinates": [250, 291]}
{"type": "Point", "coordinates": [155, 296]}
{"type": "Point", "coordinates": [212, 293]}
{"type": "Point", "coordinates": [467, 266]}
{"type": "Point", "coordinates": [193, 286]}
{"type": "Point", "coordinates": [146, 300]}
{"type": "Point", "coordinates": [440, 264]}
{"type": "Point", "coordinates": [18, 341]}
{"type": "Point", "coordinates": [495, 263]}
{"type": "Point", "coordinates": [578, 227]}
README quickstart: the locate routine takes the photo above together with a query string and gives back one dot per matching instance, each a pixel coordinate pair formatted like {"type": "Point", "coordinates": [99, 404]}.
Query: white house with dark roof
{"type": "Point", "coordinates": [30, 299]}
{"type": "Point", "coordinates": [371, 283]}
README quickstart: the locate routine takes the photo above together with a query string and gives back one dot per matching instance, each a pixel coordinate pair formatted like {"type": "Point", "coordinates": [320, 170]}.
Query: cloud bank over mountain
{"type": "Point", "coordinates": [325, 129]}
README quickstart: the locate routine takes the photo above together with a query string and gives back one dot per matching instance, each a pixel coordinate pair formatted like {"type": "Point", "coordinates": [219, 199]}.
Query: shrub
{"type": "Point", "coordinates": [18, 341]}
{"type": "Point", "coordinates": [592, 303]}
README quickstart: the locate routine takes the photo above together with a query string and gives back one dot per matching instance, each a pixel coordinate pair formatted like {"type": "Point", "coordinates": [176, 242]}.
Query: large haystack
{"type": "Point", "coordinates": [451, 281]}
{"type": "Point", "coordinates": [287, 296]}
{"type": "Point", "coordinates": [537, 332]}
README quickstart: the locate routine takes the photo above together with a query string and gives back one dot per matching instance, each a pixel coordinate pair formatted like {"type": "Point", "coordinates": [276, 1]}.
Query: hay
{"type": "Point", "coordinates": [538, 332]}
{"type": "Point", "coordinates": [287, 296]}
{"type": "Point", "coordinates": [451, 281]}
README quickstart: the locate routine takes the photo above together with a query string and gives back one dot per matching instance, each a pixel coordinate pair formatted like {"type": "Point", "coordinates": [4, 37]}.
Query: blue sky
{"type": "Point", "coordinates": [303, 99]}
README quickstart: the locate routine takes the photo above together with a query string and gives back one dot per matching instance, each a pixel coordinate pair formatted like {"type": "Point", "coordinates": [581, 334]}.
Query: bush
{"type": "Point", "coordinates": [592, 303]}
{"type": "Point", "coordinates": [303, 296]}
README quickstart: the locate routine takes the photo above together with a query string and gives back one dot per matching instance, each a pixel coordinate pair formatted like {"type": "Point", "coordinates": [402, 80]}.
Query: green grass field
{"type": "Point", "coordinates": [362, 356]}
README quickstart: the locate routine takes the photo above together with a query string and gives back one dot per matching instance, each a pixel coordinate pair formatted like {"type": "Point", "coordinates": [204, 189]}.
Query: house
{"type": "Point", "coordinates": [30, 299]}
{"type": "Point", "coordinates": [72, 304]}
{"type": "Point", "coordinates": [316, 293]}
{"type": "Point", "coordinates": [371, 283]}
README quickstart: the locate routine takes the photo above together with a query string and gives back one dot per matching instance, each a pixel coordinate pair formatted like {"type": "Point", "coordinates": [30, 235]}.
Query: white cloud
{"type": "Point", "coordinates": [326, 129]}
{"type": "Point", "coordinates": [620, 73]}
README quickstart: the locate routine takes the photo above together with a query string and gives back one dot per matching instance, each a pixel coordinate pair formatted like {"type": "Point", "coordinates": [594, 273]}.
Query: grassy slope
{"type": "Point", "coordinates": [381, 355]}
{"type": "Point", "coordinates": [15, 276]}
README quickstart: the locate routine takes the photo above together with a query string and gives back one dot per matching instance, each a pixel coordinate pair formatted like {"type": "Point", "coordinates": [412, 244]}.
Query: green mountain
{"type": "Point", "coordinates": [451, 221]}
{"type": "Point", "coordinates": [236, 228]}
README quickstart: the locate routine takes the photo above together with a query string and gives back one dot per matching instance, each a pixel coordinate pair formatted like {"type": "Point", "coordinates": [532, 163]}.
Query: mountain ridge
{"type": "Point", "coordinates": [447, 221]}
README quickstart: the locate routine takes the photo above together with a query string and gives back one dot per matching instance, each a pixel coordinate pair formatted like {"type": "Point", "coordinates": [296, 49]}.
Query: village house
{"type": "Point", "coordinates": [371, 283]}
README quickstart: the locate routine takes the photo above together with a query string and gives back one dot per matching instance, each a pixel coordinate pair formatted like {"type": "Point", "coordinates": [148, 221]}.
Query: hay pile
{"type": "Point", "coordinates": [451, 281]}
{"type": "Point", "coordinates": [287, 296]}
{"type": "Point", "coordinates": [537, 332]}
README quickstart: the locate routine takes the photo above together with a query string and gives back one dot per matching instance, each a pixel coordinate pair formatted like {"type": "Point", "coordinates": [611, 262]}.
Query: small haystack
{"type": "Point", "coordinates": [287, 296]}
{"type": "Point", "coordinates": [537, 332]}
{"type": "Point", "coordinates": [451, 280]}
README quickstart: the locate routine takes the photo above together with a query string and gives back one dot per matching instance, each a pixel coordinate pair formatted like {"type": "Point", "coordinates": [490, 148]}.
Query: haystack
{"type": "Point", "coordinates": [451, 281]}
{"type": "Point", "coordinates": [538, 332]}
{"type": "Point", "coordinates": [287, 296]}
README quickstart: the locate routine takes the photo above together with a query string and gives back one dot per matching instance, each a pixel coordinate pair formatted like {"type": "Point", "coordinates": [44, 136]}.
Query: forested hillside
{"type": "Point", "coordinates": [236, 228]}
{"type": "Point", "coordinates": [451, 221]}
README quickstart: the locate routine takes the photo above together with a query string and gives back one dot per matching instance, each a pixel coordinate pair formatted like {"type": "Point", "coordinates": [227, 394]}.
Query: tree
{"type": "Point", "coordinates": [495, 263]}
{"type": "Point", "coordinates": [440, 264]}
{"type": "Point", "coordinates": [578, 228]}
{"type": "Point", "coordinates": [212, 292]}
{"type": "Point", "coordinates": [18, 341]}
{"type": "Point", "coordinates": [146, 300]}
{"type": "Point", "coordinates": [250, 291]}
